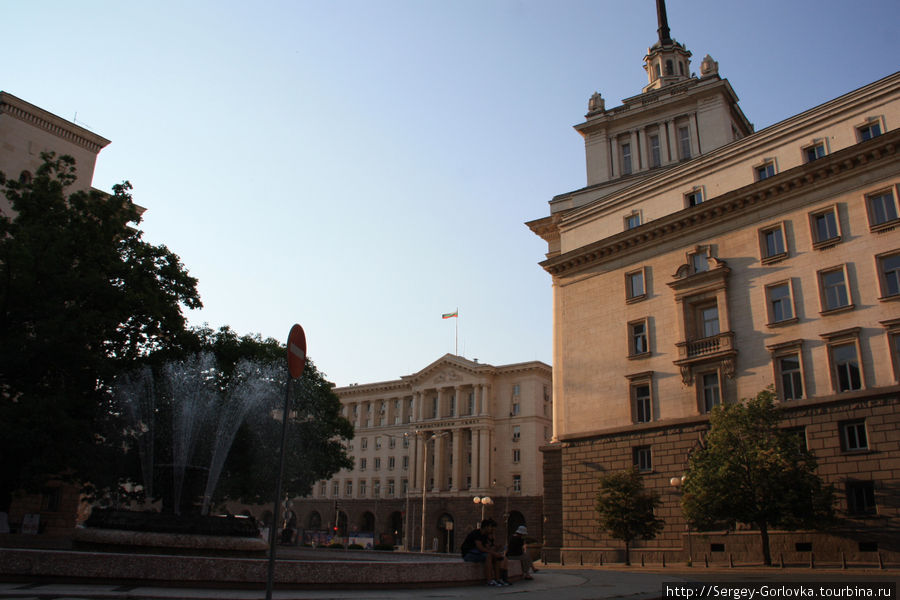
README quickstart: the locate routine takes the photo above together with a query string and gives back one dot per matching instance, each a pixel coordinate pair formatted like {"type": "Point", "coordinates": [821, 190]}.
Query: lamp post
{"type": "Point", "coordinates": [483, 501]}
{"type": "Point", "coordinates": [427, 439]}
{"type": "Point", "coordinates": [676, 483]}
{"type": "Point", "coordinates": [406, 436]}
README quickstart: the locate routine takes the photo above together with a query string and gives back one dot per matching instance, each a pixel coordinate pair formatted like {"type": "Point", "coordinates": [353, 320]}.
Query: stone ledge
{"type": "Point", "coordinates": [193, 570]}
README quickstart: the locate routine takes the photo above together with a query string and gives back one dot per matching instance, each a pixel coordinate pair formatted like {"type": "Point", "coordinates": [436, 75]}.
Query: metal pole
{"type": "Point", "coordinates": [424, 491]}
{"type": "Point", "coordinates": [273, 532]}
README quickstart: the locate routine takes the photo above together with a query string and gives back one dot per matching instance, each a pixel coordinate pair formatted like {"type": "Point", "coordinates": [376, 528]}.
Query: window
{"type": "Point", "coordinates": [641, 402]}
{"type": "Point", "coordinates": [515, 389]}
{"type": "Point", "coordinates": [633, 220]}
{"type": "Point", "coordinates": [845, 367]}
{"type": "Point", "coordinates": [362, 488]}
{"type": "Point", "coordinates": [693, 198]}
{"type": "Point", "coordinates": [349, 489]}
{"type": "Point", "coordinates": [392, 462]}
{"type": "Point", "coordinates": [517, 433]}
{"type": "Point", "coordinates": [833, 289]}
{"type": "Point", "coordinates": [362, 464]}
{"type": "Point", "coordinates": [471, 403]}
{"type": "Point", "coordinates": [405, 486]}
{"type": "Point", "coordinates": [515, 410]}
{"type": "Point", "coordinates": [634, 286]}
{"type": "Point", "coordinates": [637, 338]}
{"type": "Point", "coordinates": [889, 273]}
{"type": "Point", "coordinates": [868, 131]}
{"type": "Point", "coordinates": [707, 320]}
{"type": "Point", "coordinates": [517, 455]}
{"type": "Point", "coordinates": [791, 377]}
{"type": "Point", "coordinates": [771, 243]}
{"type": "Point", "coordinates": [376, 488]}
{"type": "Point", "coordinates": [765, 170]}
{"type": "Point", "coordinates": [853, 436]}
{"type": "Point", "coordinates": [364, 443]}
{"type": "Point", "coordinates": [517, 483]}
{"type": "Point", "coordinates": [453, 405]}
{"type": "Point", "coordinates": [626, 159]}
{"type": "Point", "coordinates": [642, 458]}
{"type": "Point", "coordinates": [781, 303]}
{"type": "Point", "coordinates": [814, 152]}
{"type": "Point", "coordinates": [710, 393]}
{"type": "Point", "coordinates": [434, 407]}
{"type": "Point", "coordinates": [378, 442]}
{"type": "Point", "coordinates": [405, 440]}
{"type": "Point", "coordinates": [377, 463]}
{"type": "Point", "coordinates": [893, 334]}
{"type": "Point", "coordinates": [882, 207]}
{"type": "Point", "coordinates": [390, 488]}
{"type": "Point", "coordinates": [392, 442]}
{"type": "Point", "coordinates": [699, 262]}
{"type": "Point", "coordinates": [335, 489]}
{"type": "Point", "coordinates": [405, 463]}
{"type": "Point", "coordinates": [655, 154]}
{"type": "Point", "coordinates": [684, 142]}
{"type": "Point", "coordinates": [861, 498]}
{"type": "Point", "coordinates": [825, 228]}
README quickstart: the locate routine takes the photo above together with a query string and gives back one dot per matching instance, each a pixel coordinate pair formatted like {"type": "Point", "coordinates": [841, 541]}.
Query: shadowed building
{"type": "Point", "coordinates": [459, 430]}
{"type": "Point", "coordinates": [704, 262]}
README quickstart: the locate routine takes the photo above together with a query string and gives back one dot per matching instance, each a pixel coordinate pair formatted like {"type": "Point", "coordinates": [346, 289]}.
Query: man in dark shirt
{"type": "Point", "coordinates": [476, 548]}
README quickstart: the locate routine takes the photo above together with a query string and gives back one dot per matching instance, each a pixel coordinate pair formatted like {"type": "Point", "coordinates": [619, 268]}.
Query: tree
{"type": "Point", "coordinates": [227, 385]}
{"type": "Point", "coordinates": [749, 470]}
{"type": "Point", "coordinates": [626, 510]}
{"type": "Point", "coordinates": [82, 295]}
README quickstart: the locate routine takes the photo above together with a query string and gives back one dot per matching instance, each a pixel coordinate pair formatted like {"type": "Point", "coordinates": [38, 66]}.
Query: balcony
{"type": "Point", "coordinates": [713, 349]}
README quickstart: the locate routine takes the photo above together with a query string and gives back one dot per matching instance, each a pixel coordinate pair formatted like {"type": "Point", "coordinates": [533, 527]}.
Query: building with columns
{"type": "Point", "coordinates": [455, 431]}
{"type": "Point", "coordinates": [704, 262]}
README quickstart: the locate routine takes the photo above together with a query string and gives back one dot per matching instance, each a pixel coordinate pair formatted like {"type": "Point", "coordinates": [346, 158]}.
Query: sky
{"type": "Point", "coordinates": [361, 167]}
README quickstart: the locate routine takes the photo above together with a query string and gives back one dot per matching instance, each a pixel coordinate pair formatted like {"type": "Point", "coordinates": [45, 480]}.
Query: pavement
{"type": "Point", "coordinates": [551, 583]}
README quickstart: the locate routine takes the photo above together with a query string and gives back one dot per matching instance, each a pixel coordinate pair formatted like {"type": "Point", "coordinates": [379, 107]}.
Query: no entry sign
{"type": "Point", "coordinates": [296, 347]}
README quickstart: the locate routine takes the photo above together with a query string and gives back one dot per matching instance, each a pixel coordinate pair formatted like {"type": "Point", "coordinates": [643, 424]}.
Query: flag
{"type": "Point", "coordinates": [455, 313]}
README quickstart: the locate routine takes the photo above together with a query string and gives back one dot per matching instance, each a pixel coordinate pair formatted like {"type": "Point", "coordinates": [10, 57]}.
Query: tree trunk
{"type": "Point", "coordinates": [627, 554]}
{"type": "Point", "coordinates": [764, 534]}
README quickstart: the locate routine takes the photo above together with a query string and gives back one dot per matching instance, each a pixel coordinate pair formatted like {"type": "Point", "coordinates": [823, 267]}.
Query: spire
{"type": "Point", "coordinates": [665, 37]}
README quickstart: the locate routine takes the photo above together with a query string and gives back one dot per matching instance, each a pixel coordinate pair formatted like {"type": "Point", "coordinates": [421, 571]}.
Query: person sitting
{"type": "Point", "coordinates": [517, 551]}
{"type": "Point", "coordinates": [477, 548]}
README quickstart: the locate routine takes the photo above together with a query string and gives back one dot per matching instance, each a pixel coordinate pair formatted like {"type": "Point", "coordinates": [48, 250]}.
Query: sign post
{"type": "Point", "coordinates": [296, 355]}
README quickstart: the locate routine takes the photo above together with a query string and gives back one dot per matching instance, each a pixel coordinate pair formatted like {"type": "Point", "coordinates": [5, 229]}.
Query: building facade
{"type": "Point", "coordinates": [704, 262]}
{"type": "Point", "coordinates": [438, 439]}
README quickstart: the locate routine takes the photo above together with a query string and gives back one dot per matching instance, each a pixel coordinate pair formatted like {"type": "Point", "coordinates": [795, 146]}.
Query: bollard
{"type": "Point", "coordinates": [706, 560]}
{"type": "Point", "coordinates": [731, 560]}
{"type": "Point", "coordinates": [581, 558]}
{"type": "Point", "coordinates": [642, 559]}
{"type": "Point", "coordinates": [843, 560]}
{"type": "Point", "coordinates": [781, 559]}
{"type": "Point", "coordinates": [664, 560]}
{"type": "Point", "coordinates": [880, 562]}
{"type": "Point", "coordinates": [812, 560]}
{"type": "Point", "coordinates": [562, 558]}
{"type": "Point", "coordinates": [601, 559]}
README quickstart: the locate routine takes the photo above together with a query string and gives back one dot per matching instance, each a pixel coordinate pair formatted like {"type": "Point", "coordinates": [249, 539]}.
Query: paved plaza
{"type": "Point", "coordinates": [550, 583]}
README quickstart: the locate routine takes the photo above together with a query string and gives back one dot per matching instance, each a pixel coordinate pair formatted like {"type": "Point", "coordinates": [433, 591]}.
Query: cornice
{"type": "Point", "coordinates": [832, 167]}
{"type": "Point", "coordinates": [40, 118]}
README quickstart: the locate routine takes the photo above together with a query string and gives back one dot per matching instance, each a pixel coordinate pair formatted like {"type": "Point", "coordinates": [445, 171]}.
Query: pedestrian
{"type": "Point", "coordinates": [476, 548]}
{"type": "Point", "coordinates": [518, 551]}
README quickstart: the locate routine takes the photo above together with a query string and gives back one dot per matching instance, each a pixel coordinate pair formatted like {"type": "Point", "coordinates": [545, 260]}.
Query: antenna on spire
{"type": "Point", "coordinates": [665, 36]}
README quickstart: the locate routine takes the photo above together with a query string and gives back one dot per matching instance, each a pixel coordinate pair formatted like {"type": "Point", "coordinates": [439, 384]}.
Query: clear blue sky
{"type": "Point", "coordinates": [363, 166]}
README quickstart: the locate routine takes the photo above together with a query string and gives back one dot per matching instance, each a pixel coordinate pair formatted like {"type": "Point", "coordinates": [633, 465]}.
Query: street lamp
{"type": "Point", "coordinates": [406, 436]}
{"type": "Point", "coordinates": [483, 501]}
{"type": "Point", "coordinates": [676, 482]}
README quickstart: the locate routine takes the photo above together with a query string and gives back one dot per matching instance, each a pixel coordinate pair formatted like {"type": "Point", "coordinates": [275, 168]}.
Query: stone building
{"type": "Point", "coordinates": [454, 431]}
{"type": "Point", "coordinates": [704, 262]}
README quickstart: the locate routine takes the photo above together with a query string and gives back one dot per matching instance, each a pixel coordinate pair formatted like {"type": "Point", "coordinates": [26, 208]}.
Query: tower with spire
{"type": "Point", "coordinates": [677, 117]}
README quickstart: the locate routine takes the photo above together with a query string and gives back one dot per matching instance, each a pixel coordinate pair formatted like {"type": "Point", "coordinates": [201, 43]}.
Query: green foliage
{"type": "Point", "coordinates": [626, 510]}
{"type": "Point", "coordinates": [81, 296]}
{"type": "Point", "coordinates": [750, 470]}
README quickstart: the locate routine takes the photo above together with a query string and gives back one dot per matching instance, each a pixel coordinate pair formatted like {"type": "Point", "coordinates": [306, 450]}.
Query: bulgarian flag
{"type": "Point", "coordinates": [455, 313]}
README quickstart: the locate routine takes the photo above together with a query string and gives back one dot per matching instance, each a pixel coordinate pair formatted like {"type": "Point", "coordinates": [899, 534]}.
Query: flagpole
{"type": "Point", "coordinates": [457, 331]}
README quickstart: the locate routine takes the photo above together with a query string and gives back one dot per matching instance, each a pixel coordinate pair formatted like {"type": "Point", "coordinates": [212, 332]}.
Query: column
{"type": "Point", "coordinates": [695, 136]}
{"type": "Point", "coordinates": [440, 471]}
{"type": "Point", "coordinates": [665, 150]}
{"type": "Point", "coordinates": [418, 462]}
{"type": "Point", "coordinates": [476, 453]}
{"type": "Point", "coordinates": [635, 162]}
{"type": "Point", "coordinates": [456, 452]}
{"type": "Point", "coordinates": [645, 150]}
{"type": "Point", "coordinates": [484, 458]}
{"type": "Point", "coordinates": [614, 157]}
